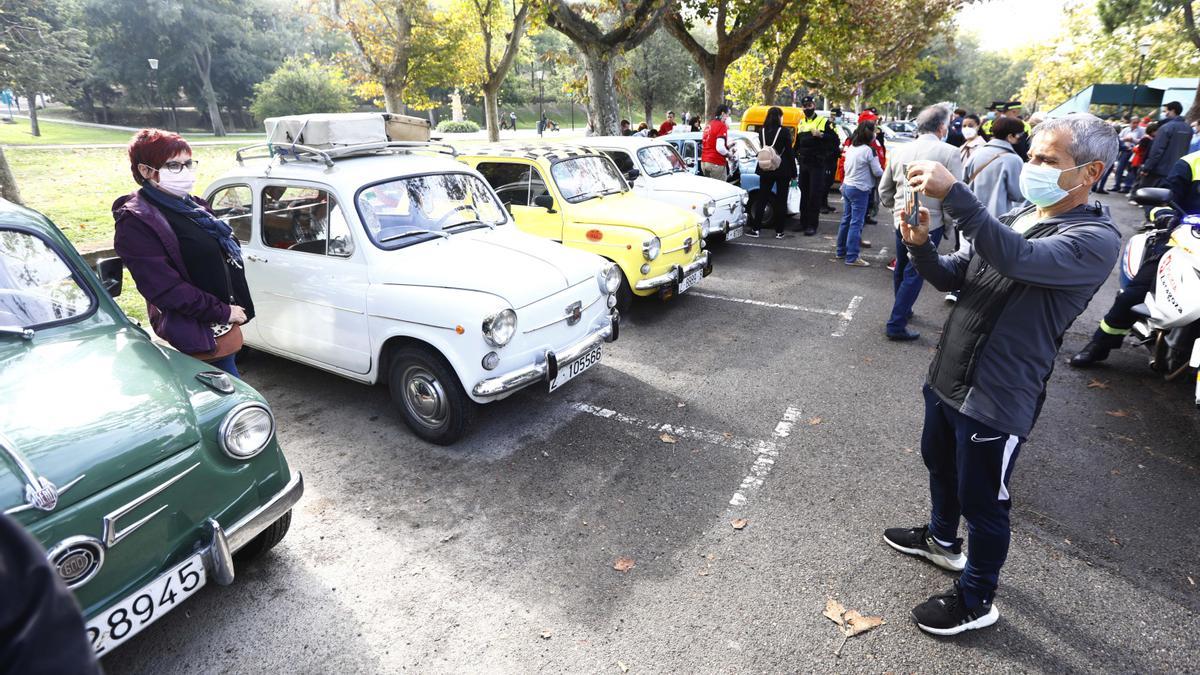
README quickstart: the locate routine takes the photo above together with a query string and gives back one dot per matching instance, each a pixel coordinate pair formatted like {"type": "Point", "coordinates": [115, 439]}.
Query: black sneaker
{"type": "Point", "coordinates": [1091, 354]}
{"type": "Point", "coordinates": [948, 614]}
{"type": "Point", "coordinates": [752, 233]}
{"type": "Point", "coordinates": [917, 541]}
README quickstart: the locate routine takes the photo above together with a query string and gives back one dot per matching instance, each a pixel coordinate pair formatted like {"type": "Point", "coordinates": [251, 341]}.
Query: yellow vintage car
{"type": "Point", "coordinates": [575, 195]}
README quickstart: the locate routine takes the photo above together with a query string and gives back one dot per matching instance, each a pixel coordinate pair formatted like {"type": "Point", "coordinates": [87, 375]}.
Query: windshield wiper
{"type": "Point", "coordinates": [410, 233]}
{"type": "Point", "coordinates": [585, 196]}
{"type": "Point", "coordinates": [475, 222]}
{"type": "Point", "coordinates": [26, 333]}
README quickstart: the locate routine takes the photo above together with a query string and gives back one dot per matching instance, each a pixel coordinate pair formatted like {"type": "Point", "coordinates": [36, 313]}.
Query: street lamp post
{"type": "Point", "coordinates": [154, 91]}
{"type": "Point", "coordinates": [540, 76]}
{"type": "Point", "coordinates": [1143, 51]}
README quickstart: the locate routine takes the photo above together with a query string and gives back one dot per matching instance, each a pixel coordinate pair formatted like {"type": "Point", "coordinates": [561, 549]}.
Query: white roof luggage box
{"type": "Point", "coordinates": [328, 131]}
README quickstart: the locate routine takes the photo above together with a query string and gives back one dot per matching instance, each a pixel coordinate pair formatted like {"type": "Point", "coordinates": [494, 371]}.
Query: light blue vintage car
{"type": "Point", "coordinates": [745, 148]}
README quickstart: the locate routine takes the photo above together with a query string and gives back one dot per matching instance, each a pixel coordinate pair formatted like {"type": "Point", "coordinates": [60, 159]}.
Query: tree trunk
{"type": "Point", "coordinates": [1193, 113]}
{"type": "Point", "coordinates": [8, 184]}
{"type": "Point", "coordinates": [393, 98]}
{"type": "Point", "coordinates": [33, 120]}
{"type": "Point", "coordinates": [604, 115]}
{"type": "Point", "coordinates": [491, 112]}
{"type": "Point", "coordinates": [203, 63]}
{"type": "Point", "coordinates": [649, 105]}
{"type": "Point", "coordinates": [714, 90]}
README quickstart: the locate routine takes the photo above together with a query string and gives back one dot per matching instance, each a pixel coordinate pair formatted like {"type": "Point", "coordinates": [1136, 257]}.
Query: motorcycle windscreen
{"type": "Point", "coordinates": [1177, 292]}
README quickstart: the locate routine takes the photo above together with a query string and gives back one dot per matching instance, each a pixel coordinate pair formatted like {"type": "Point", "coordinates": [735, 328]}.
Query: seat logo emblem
{"type": "Point", "coordinates": [574, 313]}
{"type": "Point", "coordinates": [687, 245]}
{"type": "Point", "coordinates": [43, 497]}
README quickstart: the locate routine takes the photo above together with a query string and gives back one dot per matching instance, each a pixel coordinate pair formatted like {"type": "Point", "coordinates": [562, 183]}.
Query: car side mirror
{"type": "Point", "coordinates": [111, 273]}
{"type": "Point", "coordinates": [690, 162]}
{"type": "Point", "coordinates": [544, 201]}
{"type": "Point", "coordinates": [632, 174]}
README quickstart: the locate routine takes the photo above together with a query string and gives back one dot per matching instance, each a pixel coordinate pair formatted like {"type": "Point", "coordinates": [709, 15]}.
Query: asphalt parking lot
{"type": "Point", "coordinates": [769, 395]}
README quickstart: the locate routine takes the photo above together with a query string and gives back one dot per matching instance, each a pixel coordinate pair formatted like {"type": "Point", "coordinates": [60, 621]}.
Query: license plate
{"type": "Point", "coordinates": [691, 280]}
{"type": "Point", "coordinates": [570, 371]}
{"type": "Point", "coordinates": [733, 233]}
{"type": "Point", "coordinates": [128, 617]}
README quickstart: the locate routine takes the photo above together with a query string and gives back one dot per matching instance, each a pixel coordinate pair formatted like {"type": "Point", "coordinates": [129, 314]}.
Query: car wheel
{"type": "Point", "coordinates": [624, 293]}
{"type": "Point", "coordinates": [267, 539]}
{"type": "Point", "coordinates": [429, 395]}
{"type": "Point", "coordinates": [768, 214]}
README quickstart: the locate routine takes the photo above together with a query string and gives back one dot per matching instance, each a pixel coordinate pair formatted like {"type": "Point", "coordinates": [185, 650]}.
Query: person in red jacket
{"type": "Point", "coordinates": [668, 124]}
{"type": "Point", "coordinates": [714, 146]}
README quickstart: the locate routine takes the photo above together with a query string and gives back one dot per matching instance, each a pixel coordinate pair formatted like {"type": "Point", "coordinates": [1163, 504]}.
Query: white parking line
{"type": "Point", "coordinates": [765, 450]}
{"type": "Point", "coordinates": [802, 249]}
{"type": "Point", "coordinates": [763, 464]}
{"type": "Point", "coordinates": [847, 316]}
{"type": "Point", "coordinates": [724, 440]}
{"type": "Point", "coordinates": [772, 305]}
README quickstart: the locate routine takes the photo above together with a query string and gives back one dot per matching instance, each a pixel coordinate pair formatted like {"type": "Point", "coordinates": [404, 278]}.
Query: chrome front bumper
{"type": "Point", "coordinates": [547, 369]}
{"type": "Point", "coordinates": [218, 556]}
{"type": "Point", "coordinates": [676, 274]}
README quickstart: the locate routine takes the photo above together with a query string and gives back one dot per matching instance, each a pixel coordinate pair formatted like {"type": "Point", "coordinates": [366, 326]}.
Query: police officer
{"type": "Point", "coordinates": [1012, 110]}
{"type": "Point", "coordinates": [813, 136]}
{"type": "Point", "coordinates": [1184, 184]}
{"type": "Point", "coordinates": [990, 117]}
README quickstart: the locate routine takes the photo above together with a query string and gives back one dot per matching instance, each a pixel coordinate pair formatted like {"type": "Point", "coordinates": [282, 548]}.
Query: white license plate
{"type": "Point", "coordinates": [691, 280]}
{"type": "Point", "coordinates": [570, 371]}
{"type": "Point", "coordinates": [142, 608]}
{"type": "Point", "coordinates": [733, 233]}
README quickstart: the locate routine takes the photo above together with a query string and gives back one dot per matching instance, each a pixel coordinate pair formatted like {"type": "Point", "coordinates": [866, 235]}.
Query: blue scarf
{"type": "Point", "coordinates": [186, 207]}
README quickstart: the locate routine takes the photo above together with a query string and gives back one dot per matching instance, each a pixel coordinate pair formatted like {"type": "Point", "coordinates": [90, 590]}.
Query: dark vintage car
{"type": "Point", "coordinates": [141, 470]}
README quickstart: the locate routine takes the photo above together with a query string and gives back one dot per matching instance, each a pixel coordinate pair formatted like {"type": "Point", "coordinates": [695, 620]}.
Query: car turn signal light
{"type": "Point", "coordinates": [595, 235]}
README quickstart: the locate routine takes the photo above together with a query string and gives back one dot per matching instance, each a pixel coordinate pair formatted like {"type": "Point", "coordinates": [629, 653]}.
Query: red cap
{"type": "Point", "coordinates": [867, 116]}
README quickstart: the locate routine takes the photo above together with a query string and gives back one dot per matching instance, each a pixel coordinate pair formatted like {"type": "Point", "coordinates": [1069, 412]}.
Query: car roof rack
{"type": "Point", "coordinates": [295, 152]}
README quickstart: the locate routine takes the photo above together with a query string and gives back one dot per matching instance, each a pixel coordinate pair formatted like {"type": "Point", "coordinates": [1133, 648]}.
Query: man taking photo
{"type": "Point", "coordinates": [1024, 280]}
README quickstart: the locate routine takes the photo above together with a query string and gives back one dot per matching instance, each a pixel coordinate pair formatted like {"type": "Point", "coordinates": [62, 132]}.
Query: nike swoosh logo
{"type": "Point", "coordinates": [976, 439]}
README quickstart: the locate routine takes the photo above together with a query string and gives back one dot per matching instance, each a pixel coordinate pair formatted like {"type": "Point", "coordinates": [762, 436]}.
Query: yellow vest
{"type": "Point", "coordinates": [1193, 161]}
{"type": "Point", "coordinates": [817, 123]}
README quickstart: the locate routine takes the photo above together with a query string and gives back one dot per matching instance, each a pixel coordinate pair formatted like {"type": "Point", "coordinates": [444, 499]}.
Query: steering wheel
{"type": "Point", "coordinates": [453, 211]}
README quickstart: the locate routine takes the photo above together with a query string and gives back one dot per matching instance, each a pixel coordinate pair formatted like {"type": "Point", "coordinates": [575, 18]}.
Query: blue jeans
{"type": "Point", "coordinates": [906, 283]}
{"type": "Point", "coordinates": [969, 465]}
{"type": "Point", "coordinates": [854, 213]}
{"type": "Point", "coordinates": [227, 364]}
{"type": "Point", "coordinates": [1125, 173]}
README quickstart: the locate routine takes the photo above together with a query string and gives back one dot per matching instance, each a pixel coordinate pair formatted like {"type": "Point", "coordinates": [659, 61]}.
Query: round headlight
{"type": "Point", "coordinates": [651, 247]}
{"type": "Point", "coordinates": [246, 430]}
{"type": "Point", "coordinates": [610, 279]}
{"type": "Point", "coordinates": [710, 208]}
{"type": "Point", "coordinates": [499, 328]}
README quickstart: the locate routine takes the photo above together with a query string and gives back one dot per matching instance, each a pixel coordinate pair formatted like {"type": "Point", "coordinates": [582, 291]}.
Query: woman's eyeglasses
{"type": "Point", "coordinates": [176, 167]}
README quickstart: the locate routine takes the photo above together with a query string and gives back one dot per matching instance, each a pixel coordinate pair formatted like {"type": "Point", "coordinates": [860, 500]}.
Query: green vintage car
{"type": "Point", "coordinates": [141, 470]}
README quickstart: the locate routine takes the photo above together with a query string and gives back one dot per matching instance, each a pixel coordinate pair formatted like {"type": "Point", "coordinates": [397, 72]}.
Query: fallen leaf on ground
{"type": "Point", "coordinates": [815, 421]}
{"type": "Point", "coordinates": [703, 572]}
{"type": "Point", "coordinates": [668, 438]}
{"type": "Point", "coordinates": [1116, 413]}
{"type": "Point", "coordinates": [546, 634]}
{"type": "Point", "coordinates": [624, 668]}
{"type": "Point", "coordinates": [681, 404]}
{"type": "Point", "coordinates": [850, 622]}
{"type": "Point", "coordinates": [1191, 581]}
{"type": "Point", "coordinates": [1097, 384]}
{"type": "Point", "coordinates": [739, 523]}
{"type": "Point", "coordinates": [857, 623]}
{"type": "Point", "coordinates": [623, 564]}
{"type": "Point", "coordinates": [834, 611]}
{"type": "Point", "coordinates": [1116, 542]}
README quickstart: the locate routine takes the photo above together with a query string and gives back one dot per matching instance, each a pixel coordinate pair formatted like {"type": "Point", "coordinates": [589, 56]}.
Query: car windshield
{"type": "Point", "coordinates": [660, 160]}
{"type": "Point", "coordinates": [36, 284]}
{"type": "Point", "coordinates": [586, 177]}
{"type": "Point", "coordinates": [404, 211]}
{"type": "Point", "coordinates": [745, 147]}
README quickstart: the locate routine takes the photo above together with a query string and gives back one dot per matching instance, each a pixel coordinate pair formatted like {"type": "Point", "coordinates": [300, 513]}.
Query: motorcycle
{"type": "Point", "coordinates": [1171, 327]}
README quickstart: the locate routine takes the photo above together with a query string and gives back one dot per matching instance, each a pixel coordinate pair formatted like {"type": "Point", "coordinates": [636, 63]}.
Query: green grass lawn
{"type": "Point", "coordinates": [54, 133]}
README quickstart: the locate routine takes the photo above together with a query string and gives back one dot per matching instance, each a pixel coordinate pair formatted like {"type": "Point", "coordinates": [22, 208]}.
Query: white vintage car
{"type": "Point", "coordinates": [656, 171]}
{"type": "Point", "coordinates": [391, 262]}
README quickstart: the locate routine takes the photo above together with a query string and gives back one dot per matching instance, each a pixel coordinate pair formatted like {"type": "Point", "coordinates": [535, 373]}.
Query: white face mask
{"type": "Point", "coordinates": [969, 132]}
{"type": "Point", "coordinates": [178, 184]}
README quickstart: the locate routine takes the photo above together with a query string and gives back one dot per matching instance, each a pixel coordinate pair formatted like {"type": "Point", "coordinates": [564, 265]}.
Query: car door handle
{"type": "Point", "coordinates": [256, 258]}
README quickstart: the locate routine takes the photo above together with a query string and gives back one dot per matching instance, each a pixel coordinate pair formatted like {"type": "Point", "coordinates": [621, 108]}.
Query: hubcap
{"type": "Point", "coordinates": [424, 397]}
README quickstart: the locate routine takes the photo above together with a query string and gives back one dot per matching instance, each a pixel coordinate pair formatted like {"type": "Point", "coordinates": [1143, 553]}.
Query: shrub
{"type": "Point", "coordinates": [300, 86]}
{"type": "Point", "coordinates": [452, 127]}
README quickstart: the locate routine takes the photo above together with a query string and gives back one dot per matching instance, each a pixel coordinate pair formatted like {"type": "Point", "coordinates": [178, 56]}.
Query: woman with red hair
{"type": "Point", "coordinates": [185, 261]}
